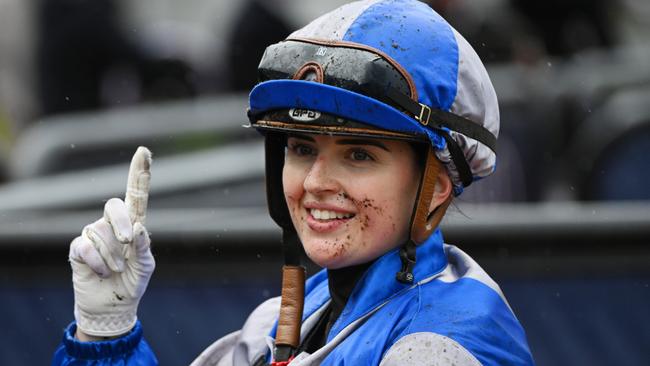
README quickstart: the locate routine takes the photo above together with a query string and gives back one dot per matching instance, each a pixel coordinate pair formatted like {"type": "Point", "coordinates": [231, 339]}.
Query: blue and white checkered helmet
{"type": "Point", "coordinates": [392, 68]}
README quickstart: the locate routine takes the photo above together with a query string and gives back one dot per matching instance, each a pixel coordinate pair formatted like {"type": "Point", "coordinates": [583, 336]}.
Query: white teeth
{"type": "Point", "coordinates": [327, 214]}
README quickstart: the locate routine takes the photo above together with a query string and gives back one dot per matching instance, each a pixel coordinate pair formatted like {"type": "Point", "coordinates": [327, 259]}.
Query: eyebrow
{"type": "Point", "coordinates": [301, 136]}
{"type": "Point", "coordinates": [372, 142]}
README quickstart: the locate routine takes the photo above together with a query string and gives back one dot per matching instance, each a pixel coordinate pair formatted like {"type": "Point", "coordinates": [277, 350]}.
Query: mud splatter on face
{"type": "Point", "coordinates": [368, 203]}
{"type": "Point", "coordinates": [339, 248]}
{"type": "Point", "coordinates": [342, 197]}
{"type": "Point", "coordinates": [365, 222]}
{"type": "Point", "coordinates": [334, 248]}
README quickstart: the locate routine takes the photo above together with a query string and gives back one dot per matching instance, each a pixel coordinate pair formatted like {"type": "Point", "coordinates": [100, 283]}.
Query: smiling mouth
{"type": "Point", "coordinates": [325, 215]}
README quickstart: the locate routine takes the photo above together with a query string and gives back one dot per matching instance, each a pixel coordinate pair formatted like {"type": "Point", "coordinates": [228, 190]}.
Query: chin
{"type": "Point", "coordinates": [333, 265]}
{"type": "Point", "coordinates": [326, 258]}
{"type": "Point", "coordinates": [326, 262]}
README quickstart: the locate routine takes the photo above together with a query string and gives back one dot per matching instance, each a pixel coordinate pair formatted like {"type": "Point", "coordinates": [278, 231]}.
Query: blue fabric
{"type": "Point", "coordinates": [378, 284]}
{"type": "Point", "coordinates": [394, 27]}
{"type": "Point", "coordinates": [129, 350]}
{"type": "Point", "coordinates": [467, 311]}
{"type": "Point", "coordinates": [284, 94]}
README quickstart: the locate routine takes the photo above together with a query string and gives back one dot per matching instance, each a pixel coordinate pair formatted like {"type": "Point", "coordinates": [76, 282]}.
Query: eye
{"type": "Point", "coordinates": [360, 155]}
{"type": "Point", "coordinates": [300, 149]}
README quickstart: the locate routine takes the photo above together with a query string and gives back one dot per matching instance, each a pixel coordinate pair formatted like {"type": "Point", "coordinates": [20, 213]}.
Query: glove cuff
{"type": "Point", "coordinates": [106, 325]}
{"type": "Point", "coordinates": [104, 349]}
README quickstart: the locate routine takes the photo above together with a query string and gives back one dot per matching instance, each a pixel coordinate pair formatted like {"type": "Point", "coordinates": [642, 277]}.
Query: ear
{"type": "Point", "coordinates": [442, 191]}
{"type": "Point", "coordinates": [440, 201]}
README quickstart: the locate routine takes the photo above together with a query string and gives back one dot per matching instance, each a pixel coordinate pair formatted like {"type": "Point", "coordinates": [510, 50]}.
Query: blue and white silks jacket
{"type": "Point", "coordinates": [454, 313]}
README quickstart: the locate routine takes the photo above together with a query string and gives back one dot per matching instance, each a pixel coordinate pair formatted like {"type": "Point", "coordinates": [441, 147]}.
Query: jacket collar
{"type": "Point", "coordinates": [377, 285]}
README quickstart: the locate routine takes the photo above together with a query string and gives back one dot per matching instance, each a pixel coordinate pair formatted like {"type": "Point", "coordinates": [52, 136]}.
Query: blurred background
{"type": "Point", "coordinates": [563, 225]}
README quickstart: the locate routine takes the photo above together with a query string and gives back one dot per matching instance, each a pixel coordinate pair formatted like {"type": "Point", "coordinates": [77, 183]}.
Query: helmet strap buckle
{"type": "Point", "coordinates": [407, 256]}
{"type": "Point", "coordinates": [424, 115]}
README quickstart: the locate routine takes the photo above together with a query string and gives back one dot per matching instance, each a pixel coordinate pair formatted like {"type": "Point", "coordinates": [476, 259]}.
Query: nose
{"type": "Point", "coordinates": [320, 179]}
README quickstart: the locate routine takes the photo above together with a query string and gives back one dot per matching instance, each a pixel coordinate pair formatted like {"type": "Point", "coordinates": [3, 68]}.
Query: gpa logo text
{"type": "Point", "coordinates": [303, 115]}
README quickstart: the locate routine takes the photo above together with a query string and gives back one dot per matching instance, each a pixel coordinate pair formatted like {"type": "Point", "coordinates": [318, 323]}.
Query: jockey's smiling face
{"type": "Point", "coordinates": [350, 198]}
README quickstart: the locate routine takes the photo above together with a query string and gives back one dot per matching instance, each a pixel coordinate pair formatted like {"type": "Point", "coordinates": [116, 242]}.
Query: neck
{"type": "Point", "coordinates": [341, 282]}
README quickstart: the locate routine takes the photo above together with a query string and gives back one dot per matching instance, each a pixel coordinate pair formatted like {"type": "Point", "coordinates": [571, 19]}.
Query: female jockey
{"type": "Point", "coordinates": [374, 116]}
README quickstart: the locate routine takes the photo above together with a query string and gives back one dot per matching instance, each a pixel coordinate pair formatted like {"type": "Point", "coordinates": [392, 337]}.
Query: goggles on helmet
{"type": "Point", "coordinates": [364, 92]}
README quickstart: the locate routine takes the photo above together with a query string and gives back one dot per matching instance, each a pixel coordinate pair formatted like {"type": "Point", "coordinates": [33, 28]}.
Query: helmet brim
{"type": "Point", "coordinates": [286, 94]}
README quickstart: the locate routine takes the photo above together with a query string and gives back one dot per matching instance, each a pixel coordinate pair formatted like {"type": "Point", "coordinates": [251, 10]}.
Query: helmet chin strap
{"type": "Point", "coordinates": [287, 336]}
{"type": "Point", "coordinates": [423, 222]}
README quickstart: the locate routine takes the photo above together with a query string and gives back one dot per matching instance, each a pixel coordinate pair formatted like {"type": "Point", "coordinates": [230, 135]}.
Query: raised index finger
{"type": "Point", "coordinates": [137, 185]}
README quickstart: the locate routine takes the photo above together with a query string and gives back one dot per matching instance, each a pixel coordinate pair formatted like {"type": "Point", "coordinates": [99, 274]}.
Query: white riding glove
{"type": "Point", "coordinates": [111, 261]}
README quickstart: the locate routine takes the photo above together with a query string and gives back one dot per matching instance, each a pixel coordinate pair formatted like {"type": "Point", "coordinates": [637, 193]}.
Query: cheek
{"type": "Point", "coordinates": [375, 220]}
{"type": "Point", "coordinates": [293, 189]}
{"type": "Point", "coordinates": [383, 219]}
{"type": "Point", "coordinates": [385, 214]}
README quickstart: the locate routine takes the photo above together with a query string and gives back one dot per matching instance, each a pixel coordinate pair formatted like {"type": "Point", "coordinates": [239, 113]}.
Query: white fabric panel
{"type": "Point", "coordinates": [460, 265]}
{"type": "Point", "coordinates": [334, 25]}
{"type": "Point", "coordinates": [216, 353]}
{"type": "Point", "coordinates": [477, 101]}
{"type": "Point", "coordinates": [430, 349]}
